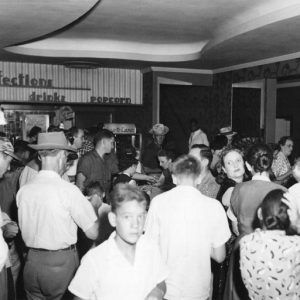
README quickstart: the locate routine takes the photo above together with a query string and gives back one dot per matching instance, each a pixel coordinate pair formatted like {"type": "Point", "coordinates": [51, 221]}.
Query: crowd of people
{"type": "Point", "coordinates": [82, 219]}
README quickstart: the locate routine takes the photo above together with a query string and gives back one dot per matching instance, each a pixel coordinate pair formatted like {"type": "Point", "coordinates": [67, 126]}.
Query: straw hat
{"type": "Point", "coordinates": [159, 129]}
{"type": "Point", "coordinates": [227, 131]}
{"type": "Point", "coordinates": [52, 140]}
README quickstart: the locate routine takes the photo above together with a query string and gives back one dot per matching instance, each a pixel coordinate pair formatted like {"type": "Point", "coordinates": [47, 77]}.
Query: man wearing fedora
{"type": "Point", "coordinates": [149, 155]}
{"type": "Point", "coordinates": [50, 210]}
{"type": "Point", "coordinates": [228, 132]}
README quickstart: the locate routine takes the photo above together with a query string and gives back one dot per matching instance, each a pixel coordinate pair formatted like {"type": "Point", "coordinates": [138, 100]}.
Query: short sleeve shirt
{"type": "Point", "coordinates": [187, 225]}
{"type": "Point", "coordinates": [270, 265]}
{"type": "Point", "coordinates": [50, 210]}
{"type": "Point", "coordinates": [95, 168]}
{"type": "Point", "coordinates": [105, 273]}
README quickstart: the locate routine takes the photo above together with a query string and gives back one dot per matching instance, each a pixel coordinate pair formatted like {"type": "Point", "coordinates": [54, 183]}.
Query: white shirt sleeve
{"type": "Point", "coordinates": [152, 223]}
{"type": "Point", "coordinates": [83, 284]}
{"type": "Point", "coordinates": [82, 210]}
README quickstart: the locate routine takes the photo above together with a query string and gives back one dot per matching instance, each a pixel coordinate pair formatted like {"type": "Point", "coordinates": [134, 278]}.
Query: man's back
{"type": "Point", "coordinates": [49, 211]}
{"type": "Point", "coordinates": [187, 225]}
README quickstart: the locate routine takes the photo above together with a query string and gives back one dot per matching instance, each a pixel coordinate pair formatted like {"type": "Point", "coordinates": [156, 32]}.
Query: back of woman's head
{"type": "Point", "coordinates": [274, 214]}
{"type": "Point", "coordinates": [260, 157]}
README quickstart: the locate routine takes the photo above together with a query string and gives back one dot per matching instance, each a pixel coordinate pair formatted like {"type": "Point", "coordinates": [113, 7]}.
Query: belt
{"type": "Point", "coordinates": [72, 247]}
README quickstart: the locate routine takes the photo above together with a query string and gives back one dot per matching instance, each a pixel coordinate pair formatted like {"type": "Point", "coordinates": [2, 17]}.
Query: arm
{"type": "Point", "coordinates": [160, 181]}
{"type": "Point", "coordinates": [140, 176]}
{"type": "Point", "coordinates": [92, 232]}
{"type": "Point", "coordinates": [218, 254]}
{"type": "Point", "coordinates": [285, 176]}
{"type": "Point", "coordinates": [80, 179]}
{"type": "Point", "coordinates": [158, 292]}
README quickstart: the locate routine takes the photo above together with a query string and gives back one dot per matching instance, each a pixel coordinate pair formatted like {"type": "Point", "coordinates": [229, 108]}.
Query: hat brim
{"type": "Point", "coordinates": [11, 154]}
{"type": "Point", "coordinates": [229, 133]}
{"type": "Point", "coordinates": [151, 131]}
{"type": "Point", "coordinates": [52, 147]}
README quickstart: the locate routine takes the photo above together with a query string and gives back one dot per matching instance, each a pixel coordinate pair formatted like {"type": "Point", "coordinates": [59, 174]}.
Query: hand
{"type": "Point", "coordinates": [151, 179]}
{"type": "Point", "coordinates": [293, 211]}
{"type": "Point", "coordinates": [10, 230]}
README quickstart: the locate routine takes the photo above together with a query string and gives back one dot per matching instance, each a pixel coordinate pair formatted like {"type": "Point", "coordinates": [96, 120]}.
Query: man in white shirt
{"type": "Point", "coordinates": [197, 136]}
{"type": "Point", "coordinates": [190, 229]}
{"type": "Point", "coordinates": [50, 210]}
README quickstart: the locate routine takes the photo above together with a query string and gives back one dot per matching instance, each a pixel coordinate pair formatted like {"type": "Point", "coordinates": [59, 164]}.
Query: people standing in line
{"type": "Point", "coordinates": [150, 151]}
{"type": "Point", "coordinates": [190, 229]}
{"type": "Point", "coordinates": [281, 166]}
{"type": "Point", "coordinates": [208, 185]}
{"type": "Point", "coordinates": [127, 266]}
{"type": "Point", "coordinates": [95, 166]}
{"type": "Point", "coordinates": [197, 135]}
{"type": "Point", "coordinates": [50, 210]}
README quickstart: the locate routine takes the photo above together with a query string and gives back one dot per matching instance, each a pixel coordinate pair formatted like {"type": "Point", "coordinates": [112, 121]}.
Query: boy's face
{"type": "Point", "coordinates": [129, 220]}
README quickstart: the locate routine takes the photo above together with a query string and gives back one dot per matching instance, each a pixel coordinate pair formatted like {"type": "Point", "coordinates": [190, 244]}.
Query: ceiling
{"type": "Point", "coordinates": [200, 34]}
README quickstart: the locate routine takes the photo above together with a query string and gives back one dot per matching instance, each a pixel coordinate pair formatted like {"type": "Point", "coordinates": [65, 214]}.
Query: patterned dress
{"type": "Point", "coordinates": [270, 265]}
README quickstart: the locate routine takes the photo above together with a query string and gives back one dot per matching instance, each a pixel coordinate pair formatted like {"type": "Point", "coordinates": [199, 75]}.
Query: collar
{"type": "Point", "coordinates": [48, 174]}
{"type": "Point", "coordinates": [261, 176]}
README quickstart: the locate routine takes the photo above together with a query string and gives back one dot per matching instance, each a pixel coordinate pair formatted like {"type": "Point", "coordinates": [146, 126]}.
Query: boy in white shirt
{"type": "Point", "coordinates": [127, 265]}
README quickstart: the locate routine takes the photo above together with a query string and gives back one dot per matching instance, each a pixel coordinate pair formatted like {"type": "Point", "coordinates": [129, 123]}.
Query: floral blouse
{"type": "Point", "coordinates": [270, 265]}
{"type": "Point", "coordinates": [281, 164]}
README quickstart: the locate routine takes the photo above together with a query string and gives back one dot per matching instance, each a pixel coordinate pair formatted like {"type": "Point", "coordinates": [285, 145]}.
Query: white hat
{"type": "Point", "coordinates": [159, 129]}
{"type": "Point", "coordinates": [227, 131]}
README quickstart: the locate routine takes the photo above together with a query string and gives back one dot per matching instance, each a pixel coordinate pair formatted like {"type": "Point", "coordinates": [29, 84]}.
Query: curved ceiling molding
{"type": "Point", "coordinates": [111, 49]}
{"type": "Point", "coordinates": [25, 20]}
{"type": "Point", "coordinates": [255, 18]}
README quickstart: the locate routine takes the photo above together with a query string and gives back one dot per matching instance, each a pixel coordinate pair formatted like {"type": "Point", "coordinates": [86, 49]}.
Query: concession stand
{"type": "Point", "coordinates": [42, 95]}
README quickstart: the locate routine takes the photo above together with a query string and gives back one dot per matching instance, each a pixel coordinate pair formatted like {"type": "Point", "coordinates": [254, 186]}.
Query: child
{"type": "Point", "coordinates": [95, 194]}
{"type": "Point", "coordinates": [127, 265]}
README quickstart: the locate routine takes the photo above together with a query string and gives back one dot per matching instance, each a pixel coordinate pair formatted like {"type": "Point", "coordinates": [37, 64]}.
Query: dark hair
{"type": "Point", "coordinates": [93, 187]}
{"type": "Point", "coordinates": [166, 153]}
{"type": "Point", "coordinates": [124, 192]}
{"type": "Point", "coordinates": [127, 162]}
{"type": "Point", "coordinates": [101, 135]}
{"type": "Point", "coordinates": [260, 157]}
{"type": "Point", "coordinates": [283, 140]}
{"type": "Point", "coordinates": [186, 165]}
{"type": "Point", "coordinates": [35, 130]}
{"type": "Point", "coordinates": [205, 152]}
{"type": "Point", "coordinates": [219, 142]}
{"type": "Point", "coordinates": [22, 146]}
{"type": "Point", "coordinates": [274, 211]}
{"type": "Point", "coordinates": [53, 128]}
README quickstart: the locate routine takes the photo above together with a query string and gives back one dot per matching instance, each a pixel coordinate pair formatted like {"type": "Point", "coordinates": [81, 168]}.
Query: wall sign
{"type": "Point", "coordinates": [41, 83]}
